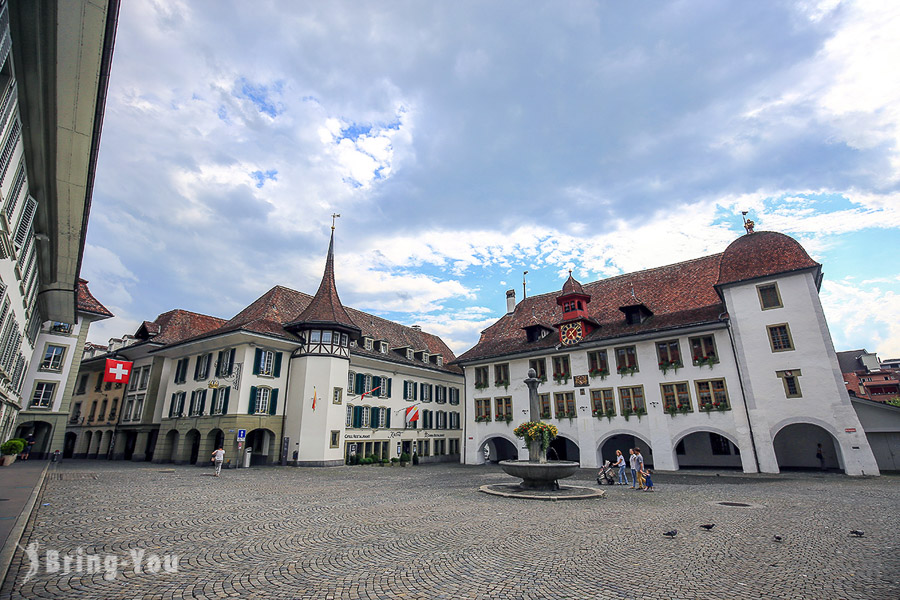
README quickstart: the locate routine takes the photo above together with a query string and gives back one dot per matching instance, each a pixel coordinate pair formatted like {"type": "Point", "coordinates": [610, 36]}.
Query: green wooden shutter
{"type": "Point", "coordinates": [387, 418]}
{"type": "Point", "coordinates": [202, 401]}
{"type": "Point", "coordinates": [376, 383]}
{"type": "Point", "coordinates": [415, 390]}
{"type": "Point", "coordinates": [405, 390]}
{"type": "Point", "coordinates": [197, 368]}
{"type": "Point", "coordinates": [389, 381]}
{"type": "Point", "coordinates": [172, 406]}
{"type": "Point", "coordinates": [227, 372]}
{"type": "Point", "coordinates": [373, 419]}
{"type": "Point", "coordinates": [273, 401]}
{"type": "Point", "coordinates": [430, 391]}
{"type": "Point", "coordinates": [357, 416]}
{"type": "Point", "coordinates": [219, 358]}
{"type": "Point", "coordinates": [277, 372]}
{"type": "Point", "coordinates": [251, 408]}
{"type": "Point", "coordinates": [191, 407]}
{"type": "Point", "coordinates": [225, 401]}
{"type": "Point", "coordinates": [360, 383]}
{"type": "Point", "coordinates": [256, 360]}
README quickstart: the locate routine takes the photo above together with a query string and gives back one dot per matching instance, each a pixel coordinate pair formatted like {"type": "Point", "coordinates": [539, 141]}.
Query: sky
{"type": "Point", "coordinates": [464, 142]}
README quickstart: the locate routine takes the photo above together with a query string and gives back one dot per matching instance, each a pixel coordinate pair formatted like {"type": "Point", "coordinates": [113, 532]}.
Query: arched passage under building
{"type": "Point", "coordinates": [795, 447]}
{"type": "Point", "coordinates": [262, 445]}
{"type": "Point", "coordinates": [495, 449]}
{"type": "Point", "coordinates": [192, 446]}
{"type": "Point", "coordinates": [625, 442]}
{"type": "Point", "coordinates": [69, 444]}
{"type": "Point", "coordinates": [707, 449]}
{"type": "Point", "coordinates": [42, 431]}
{"type": "Point", "coordinates": [562, 448]}
{"type": "Point", "coordinates": [172, 444]}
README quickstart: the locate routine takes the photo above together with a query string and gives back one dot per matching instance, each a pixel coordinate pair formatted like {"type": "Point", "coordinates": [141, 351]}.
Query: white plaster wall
{"type": "Point", "coordinates": [34, 374]}
{"type": "Point", "coordinates": [825, 401]}
{"type": "Point", "coordinates": [312, 428]}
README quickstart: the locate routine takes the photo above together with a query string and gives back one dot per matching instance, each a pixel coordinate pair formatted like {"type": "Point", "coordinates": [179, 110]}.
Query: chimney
{"type": "Point", "coordinates": [510, 301]}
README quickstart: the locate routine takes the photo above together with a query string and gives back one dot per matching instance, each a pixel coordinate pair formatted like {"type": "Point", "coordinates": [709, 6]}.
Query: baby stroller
{"type": "Point", "coordinates": [606, 475]}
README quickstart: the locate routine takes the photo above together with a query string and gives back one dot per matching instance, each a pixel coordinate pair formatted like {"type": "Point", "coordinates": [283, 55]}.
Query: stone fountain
{"type": "Point", "coordinates": [538, 473]}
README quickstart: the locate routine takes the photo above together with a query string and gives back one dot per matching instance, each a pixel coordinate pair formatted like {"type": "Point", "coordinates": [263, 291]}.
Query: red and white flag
{"type": "Point", "coordinates": [117, 371]}
{"type": "Point", "coordinates": [412, 414]}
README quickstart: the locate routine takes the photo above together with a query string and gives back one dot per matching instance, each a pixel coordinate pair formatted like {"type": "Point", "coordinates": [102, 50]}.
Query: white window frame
{"type": "Point", "coordinates": [267, 364]}
{"type": "Point", "coordinates": [58, 358]}
{"type": "Point", "coordinates": [263, 394]}
{"type": "Point", "coordinates": [47, 390]}
{"type": "Point", "coordinates": [366, 416]}
{"type": "Point", "coordinates": [349, 422]}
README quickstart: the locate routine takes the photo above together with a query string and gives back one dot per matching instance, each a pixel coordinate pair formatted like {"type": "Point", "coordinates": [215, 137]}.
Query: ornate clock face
{"type": "Point", "coordinates": [571, 333]}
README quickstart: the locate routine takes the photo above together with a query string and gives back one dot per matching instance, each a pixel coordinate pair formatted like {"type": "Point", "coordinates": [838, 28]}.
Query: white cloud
{"type": "Point", "coordinates": [861, 316]}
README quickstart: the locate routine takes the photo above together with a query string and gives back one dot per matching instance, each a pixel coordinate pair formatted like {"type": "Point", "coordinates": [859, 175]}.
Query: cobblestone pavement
{"type": "Point", "coordinates": [425, 532]}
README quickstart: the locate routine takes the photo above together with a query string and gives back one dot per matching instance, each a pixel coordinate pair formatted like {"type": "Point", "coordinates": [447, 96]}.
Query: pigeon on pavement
{"type": "Point", "coordinates": [708, 526]}
{"type": "Point", "coordinates": [857, 532]}
{"type": "Point", "coordinates": [777, 538]}
{"type": "Point", "coordinates": [671, 534]}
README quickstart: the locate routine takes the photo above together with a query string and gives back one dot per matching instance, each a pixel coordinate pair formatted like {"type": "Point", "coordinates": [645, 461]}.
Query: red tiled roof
{"type": "Point", "coordinates": [269, 314]}
{"type": "Point", "coordinates": [678, 295]}
{"type": "Point", "coordinates": [326, 306]}
{"type": "Point", "coordinates": [86, 302]}
{"type": "Point", "coordinates": [762, 254]}
{"type": "Point", "coordinates": [178, 325]}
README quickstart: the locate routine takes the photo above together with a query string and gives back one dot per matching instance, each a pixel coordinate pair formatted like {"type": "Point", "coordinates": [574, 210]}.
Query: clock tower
{"type": "Point", "coordinates": [575, 324]}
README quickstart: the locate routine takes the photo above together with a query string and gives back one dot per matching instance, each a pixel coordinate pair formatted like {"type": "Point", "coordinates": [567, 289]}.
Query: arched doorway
{"type": "Point", "coordinates": [130, 443]}
{"type": "Point", "coordinates": [795, 447]}
{"type": "Point", "coordinates": [625, 442]}
{"type": "Point", "coordinates": [41, 430]}
{"type": "Point", "coordinates": [192, 440]}
{"type": "Point", "coordinates": [86, 440]}
{"type": "Point", "coordinates": [495, 449]}
{"type": "Point", "coordinates": [707, 449]}
{"type": "Point", "coordinates": [95, 444]}
{"type": "Point", "coordinates": [261, 442]}
{"type": "Point", "coordinates": [562, 448]}
{"type": "Point", "coordinates": [109, 441]}
{"type": "Point", "coordinates": [172, 443]}
{"type": "Point", "coordinates": [69, 444]}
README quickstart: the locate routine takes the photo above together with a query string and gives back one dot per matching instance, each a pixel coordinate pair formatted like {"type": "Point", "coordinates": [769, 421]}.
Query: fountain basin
{"type": "Point", "coordinates": [539, 476]}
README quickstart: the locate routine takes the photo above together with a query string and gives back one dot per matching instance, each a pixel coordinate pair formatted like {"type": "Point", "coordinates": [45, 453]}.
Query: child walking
{"type": "Point", "coordinates": [648, 480]}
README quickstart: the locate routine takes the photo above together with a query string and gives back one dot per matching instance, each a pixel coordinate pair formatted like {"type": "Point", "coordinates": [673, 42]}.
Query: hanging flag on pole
{"type": "Point", "coordinates": [314, 397]}
{"type": "Point", "coordinates": [117, 371]}
{"type": "Point", "coordinates": [412, 414]}
{"type": "Point", "coordinates": [369, 392]}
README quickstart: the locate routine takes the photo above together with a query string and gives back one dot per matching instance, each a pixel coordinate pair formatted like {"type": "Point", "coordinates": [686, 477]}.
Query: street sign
{"type": "Point", "coordinates": [242, 435]}
{"type": "Point", "coordinates": [352, 449]}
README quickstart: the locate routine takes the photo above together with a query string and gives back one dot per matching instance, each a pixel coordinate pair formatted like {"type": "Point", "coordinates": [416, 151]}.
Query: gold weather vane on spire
{"type": "Point", "coordinates": [333, 217]}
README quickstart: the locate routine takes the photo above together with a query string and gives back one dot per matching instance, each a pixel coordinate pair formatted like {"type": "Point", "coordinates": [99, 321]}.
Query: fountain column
{"type": "Point", "coordinates": [536, 453]}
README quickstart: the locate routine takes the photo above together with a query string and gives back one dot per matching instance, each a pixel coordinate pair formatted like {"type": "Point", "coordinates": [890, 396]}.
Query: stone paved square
{"type": "Point", "coordinates": [425, 532]}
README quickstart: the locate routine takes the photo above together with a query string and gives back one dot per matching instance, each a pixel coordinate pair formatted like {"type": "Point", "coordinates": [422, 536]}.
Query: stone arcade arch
{"type": "Point", "coordinates": [42, 432]}
{"type": "Point", "coordinates": [262, 442]}
{"type": "Point", "coordinates": [192, 446]}
{"type": "Point", "coordinates": [706, 447]}
{"type": "Point", "coordinates": [795, 447]}
{"type": "Point", "coordinates": [497, 448]}
{"type": "Point", "coordinates": [623, 440]}
{"type": "Point", "coordinates": [69, 444]}
{"type": "Point", "coordinates": [563, 448]}
{"type": "Point", "coordinates": [172, 440]}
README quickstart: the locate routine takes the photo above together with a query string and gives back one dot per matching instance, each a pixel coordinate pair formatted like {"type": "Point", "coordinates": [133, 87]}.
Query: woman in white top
{"type": "Point", "coordinates": [620, 462]}
{"type": "Point", "coordinates": [219, 457]}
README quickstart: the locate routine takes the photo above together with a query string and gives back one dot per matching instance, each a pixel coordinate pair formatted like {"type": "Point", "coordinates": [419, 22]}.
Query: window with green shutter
{"type": "Point", "coordinates": [360, 386]}
{"type": "Point", "coordinates": [376, 386]}
{"type": "Point", "coordinates": [251, 408]}
{"type": "Point", "coordinates": [357, 416]}
{"type": "Point", "coordinates": [172, 406]}
{"type": "Point", "coordinates": [277, 371]}
{"type": "Point", "coordinates": [273, 401]}
{"type": "Point", "coordinates": [225, 401]}
{"type": "Point", "coordinates": [387, 418]}
{"type": "Point", "coordinates": [257, 360]}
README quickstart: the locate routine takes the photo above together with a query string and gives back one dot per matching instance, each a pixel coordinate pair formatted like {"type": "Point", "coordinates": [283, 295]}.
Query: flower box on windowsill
{"type": "Point", "coordinates": [665, 365]}
{"type": "Point", "coordinates": [601, 373]}
{"type": "Point", "coordinates": [561, 378]}
{"type": "Point", "coordinates": [503, 384]}
{"type": "Point", "coordinates": [480, 385]}
{"type": "Point", "coordinates": [482, 419]}
{"type": "Point", "coordinates": [627, 413]}
{"type": "Point", "coordinates": [545, 415]}
{"type": "Point", "coordinates": [623, 371]}
{"type": "Point", "coordinates": [708, 360]}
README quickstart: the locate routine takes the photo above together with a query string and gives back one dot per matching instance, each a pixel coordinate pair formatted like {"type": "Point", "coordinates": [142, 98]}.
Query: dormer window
{"type": "Point", "coordinates": [410, 354]}
{"type": "Point", "coordinates": [424, 357]}
{"type": "Point", "coordinates": [383, 347]}
{"type": "Point", "coordinates": [440, 361]}
{"type": "Point", "coordinates": [636, 314]}
{"type": "Point", "coordinates": [368, 343]}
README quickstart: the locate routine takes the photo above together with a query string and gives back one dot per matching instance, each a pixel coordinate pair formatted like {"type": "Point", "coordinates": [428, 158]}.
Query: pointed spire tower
{"type": "Point", "coordinates": [576, 324]}
{"type": "Point", "coordinates": [324, 324]}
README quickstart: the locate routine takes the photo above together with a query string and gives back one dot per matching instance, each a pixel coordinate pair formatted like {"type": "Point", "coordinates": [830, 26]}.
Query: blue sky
{"type": "Point", "coordinates": [466, 142]}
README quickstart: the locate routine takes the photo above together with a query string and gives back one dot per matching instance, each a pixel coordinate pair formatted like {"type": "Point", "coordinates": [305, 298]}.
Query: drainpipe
{"type": "Point", "coordinates": [737, 365]}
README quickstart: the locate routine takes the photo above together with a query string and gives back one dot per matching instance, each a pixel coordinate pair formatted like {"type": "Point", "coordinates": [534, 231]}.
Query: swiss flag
{"type": "Point", "coordinates": [117, 371]}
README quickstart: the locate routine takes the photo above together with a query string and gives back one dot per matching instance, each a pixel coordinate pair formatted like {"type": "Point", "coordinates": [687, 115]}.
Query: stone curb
{"type": "Point", "coordinates": [587, 494]}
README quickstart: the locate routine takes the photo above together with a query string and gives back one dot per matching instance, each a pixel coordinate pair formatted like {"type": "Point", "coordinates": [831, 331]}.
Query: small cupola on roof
{"type": "Point", "coordinates": [324, 324]}
{"type": "Point", "coordinates": [575, 324]}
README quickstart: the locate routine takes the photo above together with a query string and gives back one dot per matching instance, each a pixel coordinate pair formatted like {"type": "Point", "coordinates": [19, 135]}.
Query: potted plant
{"type": "Point", "coordinates": [671, 409]}
{"type": "Point", "coordinates": [504, 383]}
{"type": "Point", "coordinates": [601, 373]}
{"type": "Point", "coordinates": [707, 407]}
{"type": "Point", "coordinates": [665, 365]}
{"type": "Point", "coordinates": [394, 460]}
{"type": "Point", "coordinates": [561, 378]}
{"type": "Point", "coordinates": [508, 419]}
{"type": "Point", "coordinates": [627, 370]}
{"type": "Point", "coordinates": [480, 385]}
{"type": "Point", "coordinates": [720, 406]}
{"type": "Point", "coordinates": [684, 408]}
{"type": "Point", "coordinates": [404, 459]}
{"type": "Point", "coordinates": [627, 412]}
{"type": "Point", "coordinates": [10, 450]}
{"type": "Point", "coordinates": [545, 414]}
{"type": "Point", "coordinates": [610, 414]}
{"type": "Point", "coordinates": [640, 412]}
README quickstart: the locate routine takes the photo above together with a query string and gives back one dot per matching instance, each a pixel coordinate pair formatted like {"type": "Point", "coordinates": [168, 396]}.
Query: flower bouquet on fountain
{"type": "Point", "coordinates": [537, 432]}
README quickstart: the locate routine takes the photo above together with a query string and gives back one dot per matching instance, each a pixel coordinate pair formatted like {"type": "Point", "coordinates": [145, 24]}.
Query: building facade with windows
{"type": "Point", "coordinates": [50, 379]}
{"type": "Point", "coordinates": [54, 66]}
{"type": "Point", "coordinates": [311, 383]}
{"type": "Point", "coordinates": [721, 361]}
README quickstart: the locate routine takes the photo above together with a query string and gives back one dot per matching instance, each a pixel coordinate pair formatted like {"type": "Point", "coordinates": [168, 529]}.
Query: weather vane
{"type": "Point", "coordinates": [333, 217]}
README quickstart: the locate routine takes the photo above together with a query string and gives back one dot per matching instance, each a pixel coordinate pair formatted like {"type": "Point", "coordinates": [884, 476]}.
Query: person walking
{"type": "Point", "coordinates": [648, 479]}
{"type": "Point", "coordinates": [632, 460]}
{"type": "Point", "coordinates": [219, 457]}
{"type": "Point", "coordinates": [639, 464]}
{"type": "Point", "coordinates": [820, 455]}
{"type": "Point", "coordinates": [620, 463]}
{"type": "Point", "coordinates": [29, 442]}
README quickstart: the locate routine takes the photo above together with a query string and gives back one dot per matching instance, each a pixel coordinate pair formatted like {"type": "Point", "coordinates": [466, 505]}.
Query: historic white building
{"type": "Point", "coordinates": [721, 361]}
{"type": "Point", "coordinates": [311, 382]}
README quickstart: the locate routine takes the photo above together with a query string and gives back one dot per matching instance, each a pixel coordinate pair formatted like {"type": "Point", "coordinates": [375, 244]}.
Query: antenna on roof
{"type": "Point", "coordinates": [524, 291]}
{"type": "Point", "coordinates": [748, 223]}
{"type": "Point", "coordinates": [333, 217]}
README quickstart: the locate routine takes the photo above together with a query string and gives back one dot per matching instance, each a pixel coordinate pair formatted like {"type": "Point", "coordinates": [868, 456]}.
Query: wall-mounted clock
{"type": "Point", "coordinates": [571, 333]}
